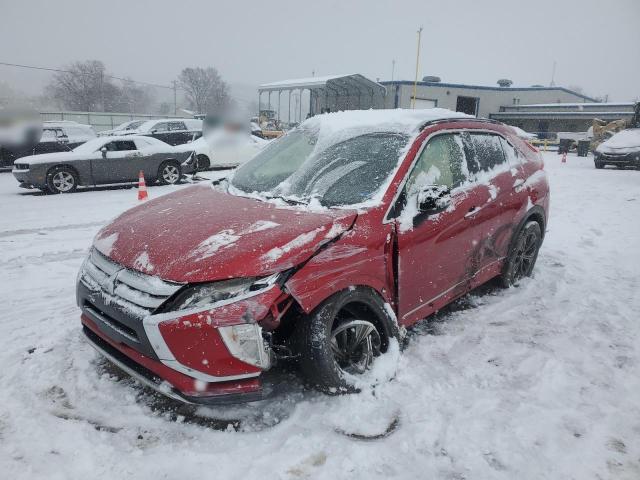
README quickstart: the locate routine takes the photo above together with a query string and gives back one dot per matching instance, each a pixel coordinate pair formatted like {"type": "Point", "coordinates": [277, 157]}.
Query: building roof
{"type": "Point", "coordinates": [352, 81]}
{"type": "Point", "coordinates": [486, 87]}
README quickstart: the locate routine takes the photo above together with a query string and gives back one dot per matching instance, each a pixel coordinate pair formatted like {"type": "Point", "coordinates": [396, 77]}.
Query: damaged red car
{"type": "Point", "coordinates": [321, 249]}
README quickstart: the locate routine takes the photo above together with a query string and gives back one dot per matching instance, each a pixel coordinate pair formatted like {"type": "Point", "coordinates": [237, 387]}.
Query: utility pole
{"type": "Point", "coordinates": [102, 90]}
{"type": "Point", "coordinates": [175, 98]}
{"type": "Point", "coordinates": [415, 82]}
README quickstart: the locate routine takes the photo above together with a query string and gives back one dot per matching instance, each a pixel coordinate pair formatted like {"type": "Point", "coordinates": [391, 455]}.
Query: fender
{"type": "Point", "coordinates": [341, 265]}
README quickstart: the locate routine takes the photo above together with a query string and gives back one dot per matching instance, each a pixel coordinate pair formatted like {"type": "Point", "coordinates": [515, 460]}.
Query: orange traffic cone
{"type": "Point", "coordinates": [142, 187]}
{"type": "Point", "coordinates": [564, 157]}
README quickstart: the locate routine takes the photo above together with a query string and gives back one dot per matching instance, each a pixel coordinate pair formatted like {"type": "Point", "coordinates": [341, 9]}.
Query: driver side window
{"type": "Point", "coordinates": [441, 162]}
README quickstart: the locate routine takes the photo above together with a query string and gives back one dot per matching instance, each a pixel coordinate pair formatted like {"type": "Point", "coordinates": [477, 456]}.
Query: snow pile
{"type": "Point", "coordinates": [302, 239]}
{"type": "Point", "coordinates": [536, 382]}
{"type": "Point", "coordinates": [228, 237]}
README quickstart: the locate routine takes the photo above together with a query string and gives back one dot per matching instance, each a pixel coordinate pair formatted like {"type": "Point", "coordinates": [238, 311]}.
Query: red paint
{"type": "Point", "coordinates": [417, 271]}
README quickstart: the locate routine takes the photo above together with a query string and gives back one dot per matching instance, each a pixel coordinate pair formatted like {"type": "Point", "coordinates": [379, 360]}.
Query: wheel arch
{"type": "Point", "coordinates": [52, 168]}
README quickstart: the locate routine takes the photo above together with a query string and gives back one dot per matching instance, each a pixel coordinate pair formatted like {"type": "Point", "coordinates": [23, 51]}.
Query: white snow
{"type": "Point", "coordinates": [539, 381]}
{"type": "Point", "coordinates": [625, 141]}
{"type": "Point", "coordinates": [302, 239]}
{"type": "Point", "coordinates": [143, 263]}
{"type": "Point", "coordinates": [226, 238]}
{"type": "Point", "coordinates": [105, 244]}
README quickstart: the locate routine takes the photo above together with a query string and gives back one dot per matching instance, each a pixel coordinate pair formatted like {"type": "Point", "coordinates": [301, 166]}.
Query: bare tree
{"type": "Point", "coordinates": [83, 86]}
{"type": "Point", "coordinates": [134, 98]}
{"type": "Point", "coordinates": [205, 90]}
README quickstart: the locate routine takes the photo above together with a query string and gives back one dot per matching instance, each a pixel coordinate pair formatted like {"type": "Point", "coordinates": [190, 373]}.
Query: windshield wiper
{"type": "Point", "coordinates": [289, 200]}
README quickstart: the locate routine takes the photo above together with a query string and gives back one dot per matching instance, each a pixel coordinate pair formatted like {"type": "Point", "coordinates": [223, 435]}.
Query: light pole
{"type": "Point", "coordinates": [415, 82]}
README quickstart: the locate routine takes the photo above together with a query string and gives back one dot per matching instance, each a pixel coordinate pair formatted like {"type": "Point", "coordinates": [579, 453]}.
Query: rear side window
{"type": "Point", "coordinates": [441, 162]}
{"type": "Point", "coordinates": [484, 152]}
{"type": "Point", "coordinates": [513, 156]}
{"type": "Point", "coordinates": [177, 126]}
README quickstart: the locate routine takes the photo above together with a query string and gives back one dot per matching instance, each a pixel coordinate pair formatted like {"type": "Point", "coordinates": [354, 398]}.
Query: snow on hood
{"type": "Point", "coordinates": [52, 157]}
{"type": "Point", "coordinates": [622, 141]}
{"type": "Point", "coordinates": [199, 234]}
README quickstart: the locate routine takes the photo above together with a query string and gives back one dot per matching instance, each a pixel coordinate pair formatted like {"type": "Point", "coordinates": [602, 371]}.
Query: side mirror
{"type": "Point", "coordinates": [104, 152]}
{"type": "Point", "coordinates": [434, 198]}
{"type": "Point", "coordinates": [155, 130]}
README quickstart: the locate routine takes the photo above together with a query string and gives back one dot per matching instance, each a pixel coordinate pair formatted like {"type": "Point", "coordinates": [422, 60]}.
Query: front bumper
{"type": "Point", "coordinates": [625, 159]}
{"type": "Point", "coordinates": [166, 381]}
{"type": "Point", "coordinates": [182, 355]}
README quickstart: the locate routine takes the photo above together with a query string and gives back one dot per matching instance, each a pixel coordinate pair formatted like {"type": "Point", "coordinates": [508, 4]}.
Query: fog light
{"type": "Point", "coordinates": [245, 343]}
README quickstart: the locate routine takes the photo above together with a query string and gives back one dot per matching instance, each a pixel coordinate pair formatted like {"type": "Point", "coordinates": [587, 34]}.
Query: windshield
{"type": "Point", "coordinates": [90, 146]}
{"type": "Point", "coordinates": [344, 173]}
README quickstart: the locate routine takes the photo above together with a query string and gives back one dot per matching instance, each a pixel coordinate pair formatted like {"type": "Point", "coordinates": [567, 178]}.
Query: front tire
{"type": "Point", "coordinates": [599, 165]}
{"type": "Point", "coordinates": [522, 255]}
{"type": "Point", "coordinates": [169, 173]}
{"type": "Point", "coordinates": [341, 339]}
{"type": "Point", "coordinates": [62, 180]}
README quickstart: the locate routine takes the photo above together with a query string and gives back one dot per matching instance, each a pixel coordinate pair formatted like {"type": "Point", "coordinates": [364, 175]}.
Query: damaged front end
{"type": "Point", "coordinates": [197, 343]}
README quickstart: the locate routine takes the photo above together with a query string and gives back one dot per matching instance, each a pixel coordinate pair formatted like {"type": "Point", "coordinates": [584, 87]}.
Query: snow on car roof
{"type": "Point", "coordinates": [629, 138]}
{"type": "Point", "coordinates": [396, 121]}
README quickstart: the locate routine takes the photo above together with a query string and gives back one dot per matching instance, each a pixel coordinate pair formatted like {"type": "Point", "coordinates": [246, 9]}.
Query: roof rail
{"type": "Point", "coordinates": [448, 120]}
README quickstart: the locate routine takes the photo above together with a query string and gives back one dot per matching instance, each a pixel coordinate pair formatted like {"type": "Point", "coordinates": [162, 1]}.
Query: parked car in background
{"type": "Point", "coordinates": [621, 150]}
{"type": "Point", "coordinates": [224, 149]}
{"type": "Point", "coordinates": [322, 248]}
{"type": "Point", "coordinates": [173, 132]}
{"type": "Point", "coordinates": [56, 137]}
{"type": "Point", "coordinates": [122, 129]}
{"type": "Point", "coordinates": [104, 160]}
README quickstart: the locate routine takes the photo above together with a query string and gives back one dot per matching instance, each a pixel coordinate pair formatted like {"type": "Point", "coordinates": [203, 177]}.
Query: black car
{"type": "Point", "coordinates": [621, 150]}
{"type": "Point", "coordinates": [172, 131]}
{"type": "Point", "coordinates": [56, 137]}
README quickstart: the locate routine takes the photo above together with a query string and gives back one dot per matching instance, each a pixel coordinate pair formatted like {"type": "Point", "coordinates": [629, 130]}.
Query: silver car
{"type": "Point", "coordinates": [104, 160]}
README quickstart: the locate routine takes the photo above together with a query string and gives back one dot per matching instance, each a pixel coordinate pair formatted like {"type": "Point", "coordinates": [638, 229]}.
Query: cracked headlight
{"type": "Point", "coordinates": [245, 342]}
{"type": "Point", "coordinates": [208, 294]}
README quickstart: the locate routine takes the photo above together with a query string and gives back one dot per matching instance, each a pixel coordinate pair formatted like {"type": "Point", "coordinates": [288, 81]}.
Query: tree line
{"type": "Point", "coordinates": [87, 86]}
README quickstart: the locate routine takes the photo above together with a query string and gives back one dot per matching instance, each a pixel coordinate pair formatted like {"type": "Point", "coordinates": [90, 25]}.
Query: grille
{"type": "Point", "coordinates": [135, 292]}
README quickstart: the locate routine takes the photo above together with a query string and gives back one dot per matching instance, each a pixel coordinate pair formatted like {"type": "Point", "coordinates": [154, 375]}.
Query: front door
{"type": "Point", "coordinates": [118, 165]}
{"type": "Point", "coordinates": [438, 251]}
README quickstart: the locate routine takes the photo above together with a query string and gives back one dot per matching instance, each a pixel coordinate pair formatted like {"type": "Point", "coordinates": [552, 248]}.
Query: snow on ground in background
{"type": "Point", "coordinates": [540, 381]}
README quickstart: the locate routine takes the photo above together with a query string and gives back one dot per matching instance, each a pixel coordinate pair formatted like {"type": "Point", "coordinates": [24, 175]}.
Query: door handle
{"type": "Point", "coordinates": [472, 211]}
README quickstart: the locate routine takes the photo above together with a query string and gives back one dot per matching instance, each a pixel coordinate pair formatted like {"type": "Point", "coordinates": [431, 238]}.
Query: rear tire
{"type": "Point", "coordinates": [522, 254]}
{"type": "Point", "coordinates": [169, 173]}
{"type": "Point", "coordinates": [62, 180]}
{"type": "Point", "coordinates": [341, 338]}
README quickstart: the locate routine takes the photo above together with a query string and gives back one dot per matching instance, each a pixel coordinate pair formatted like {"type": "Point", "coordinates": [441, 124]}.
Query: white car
{"type": "Point", "coordinates": [224, 149]}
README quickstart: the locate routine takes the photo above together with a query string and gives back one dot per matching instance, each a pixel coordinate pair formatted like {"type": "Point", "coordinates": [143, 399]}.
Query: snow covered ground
{"type": "Point", "coordinates": [540, 381]}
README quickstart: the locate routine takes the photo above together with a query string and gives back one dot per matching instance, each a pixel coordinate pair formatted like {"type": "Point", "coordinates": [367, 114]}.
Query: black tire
{"type": "Point", "coordinates": [203, 163]}
{"type": "Point", "coordinates": [62, 179]}
{"type": "Point", "coordinates": [522, 254]}
{"type": "Point", "coordinates": [169, 173]}
{"type": "Point", "coordinates": [599, 165]}
{"type": "Point", "coordinates": [335, 325]}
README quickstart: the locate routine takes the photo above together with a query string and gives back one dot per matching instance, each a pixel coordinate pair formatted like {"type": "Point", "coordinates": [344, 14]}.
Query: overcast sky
{"type": "Point", "coordinates": [596, 43]}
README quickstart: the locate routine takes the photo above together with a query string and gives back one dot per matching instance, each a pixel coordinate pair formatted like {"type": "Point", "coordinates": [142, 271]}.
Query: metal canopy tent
{"type": "Point", "coordinates": [328, 93]}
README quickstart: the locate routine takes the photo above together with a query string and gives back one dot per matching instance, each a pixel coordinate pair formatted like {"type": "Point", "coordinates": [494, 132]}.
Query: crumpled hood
{"type": "Point", "coordinates": [199, 234]}
{"type": "Point", "coordinates": [51, 157]}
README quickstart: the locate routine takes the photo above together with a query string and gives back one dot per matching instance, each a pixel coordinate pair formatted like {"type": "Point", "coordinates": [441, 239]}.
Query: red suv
{"type": "Point", "coordinates": [322, 249]}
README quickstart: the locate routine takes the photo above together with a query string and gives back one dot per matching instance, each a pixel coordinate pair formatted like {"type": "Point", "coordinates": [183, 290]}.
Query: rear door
{"type": "Point", "coordinates": [437, 250]}
{"type": "Point", "coordinates": [490, 165]}
{"type": "Point", "coordinates": [178, 133]}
